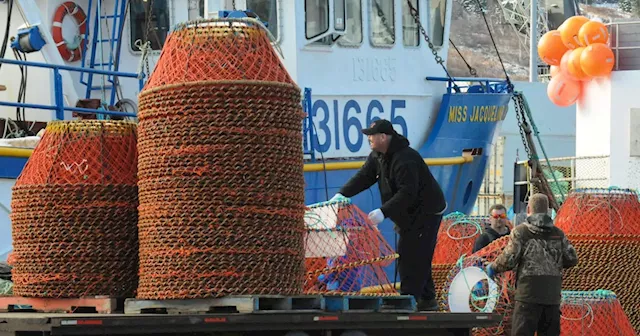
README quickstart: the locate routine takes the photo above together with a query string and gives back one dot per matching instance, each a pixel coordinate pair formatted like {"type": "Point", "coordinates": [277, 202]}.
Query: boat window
{"type": "Point", "coordinates": [150, 21]}
{"type": "Point", "coordinates": [267, 11]}
{"type": "Point", "coordinates": [339, 6]}
{"type": "Point", "coordinates": [354, 24]}
{"type": "Point", "coordinates": [410, 32]}
{"type": "Point", "coordinates": [437, 11]}
{"type": "Point", "coordinates": [316, 17]}
{"type": "Point", "coordinates": [201, 8]}
{"type": "Point", "coordinates": [383, 30]}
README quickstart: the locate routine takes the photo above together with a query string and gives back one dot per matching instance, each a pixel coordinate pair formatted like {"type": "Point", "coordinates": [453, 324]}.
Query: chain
{"type": "Point", "coordinates": [145, 46]}
{"type": "Point", "coordinates": [233, 4]}
{"type": "Point", "coordinates": [383, 18]}
{"type": "Point", "coordinates": [439, 60]}
{"type": "Point", "coordinates": [540, 180]}
{"type": "Point", "coordinates": [148, 17]}
{"type": "Point", "coordinates": [522, 124]}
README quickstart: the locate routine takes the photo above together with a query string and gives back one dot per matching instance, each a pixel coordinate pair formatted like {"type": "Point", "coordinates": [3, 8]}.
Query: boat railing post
{"type": "Point", "coordinates": [309, 106]}
{"type": "Point", "coordinates": [58, 94]}
{"type": "Point", "coordinates": [85, 43]}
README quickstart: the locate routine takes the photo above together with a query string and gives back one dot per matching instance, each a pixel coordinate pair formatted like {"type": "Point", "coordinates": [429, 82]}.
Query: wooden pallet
{"type": "Point", "coordinates": [229, 304]}
{"type": "Point", "coordinates": [100, 305]}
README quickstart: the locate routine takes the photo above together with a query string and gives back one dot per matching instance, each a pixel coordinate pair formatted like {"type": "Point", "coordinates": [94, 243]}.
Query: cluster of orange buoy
{"type": "Point", "coordinates": [577, 52]}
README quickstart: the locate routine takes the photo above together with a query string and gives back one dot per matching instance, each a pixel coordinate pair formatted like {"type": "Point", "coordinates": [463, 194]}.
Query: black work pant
{"type": "Point", "coordinates": [529, 318]}
{"type": "Point", "coordinates": [415, 247]}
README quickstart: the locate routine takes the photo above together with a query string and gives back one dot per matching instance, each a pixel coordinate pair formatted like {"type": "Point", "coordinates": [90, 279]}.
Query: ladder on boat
{"type": "Point", "coordinates": [97, 59]}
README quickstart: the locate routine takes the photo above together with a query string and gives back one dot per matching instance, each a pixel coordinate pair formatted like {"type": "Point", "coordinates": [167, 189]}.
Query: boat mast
{"type": "Point", "coordinates": [533, 41]}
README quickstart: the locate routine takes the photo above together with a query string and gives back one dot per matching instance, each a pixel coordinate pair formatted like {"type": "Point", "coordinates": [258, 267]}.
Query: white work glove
{"type": "Point", "coordinates": [337, 198]}
{"type": "Point", "coordinates": [376, 217]}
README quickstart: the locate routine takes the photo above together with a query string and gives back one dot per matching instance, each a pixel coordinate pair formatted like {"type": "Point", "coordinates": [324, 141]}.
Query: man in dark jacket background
{"type": "Point", "coordinates": [498, 227]}
{"type": "Point", "coordinates": [538, 251]}
{"type": "Point", "coordinates": [411, 198]}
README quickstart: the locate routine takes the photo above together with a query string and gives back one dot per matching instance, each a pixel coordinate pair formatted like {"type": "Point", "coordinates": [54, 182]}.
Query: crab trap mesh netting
{"type": "Point", "coordinates": [220, 167]}
{"type": "Point", "coordinates": [456, 237]}
{"type": "Point", "coordinates": [593, 313]}
{"type": "Point", "coordinates": [600, 224]}
{"type": "Point", "coordinates": [74, 212]}
{"type": "Point", "coordinates": [345, 253]}
{"type": "Point", "coordinates": [604, 227]}
{"type": "Point", "coordinates": [458, 294]}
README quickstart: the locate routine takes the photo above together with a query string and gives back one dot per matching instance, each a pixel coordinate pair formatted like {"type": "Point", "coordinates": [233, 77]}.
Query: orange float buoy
{"type": "Point", "coordinates": [570, 29]}
{"type": "Point", "coordinates": [554, 70]}
{"type": "Point", "coordinates": [574, 67]}
{"type": "Point", "coordinates": [597, 60]}
{"type": "Point", "coordinates": [563, 91]}
{"type": "Point", "coordinates": [564, 65]}
{"type": "Point", "coordinates": [593, 32]}
{"type": "Point", "coordinates": [551, 48]}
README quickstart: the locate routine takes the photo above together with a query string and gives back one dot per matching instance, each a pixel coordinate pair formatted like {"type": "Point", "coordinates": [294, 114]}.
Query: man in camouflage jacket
{"type": "Point", "coordinates": [538, 252]}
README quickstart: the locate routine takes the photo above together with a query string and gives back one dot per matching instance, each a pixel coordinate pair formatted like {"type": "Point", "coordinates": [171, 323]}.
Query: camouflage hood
{"type": "Point", "coordinates": [539, 223]}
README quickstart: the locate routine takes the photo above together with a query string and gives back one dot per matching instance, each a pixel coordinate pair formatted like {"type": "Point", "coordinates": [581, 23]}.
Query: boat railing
{"type": "Point", "coordinates": [59, 106]}
{"type": "Point", "coordinates": [571, 172]}
{"type": "Point", "coordinates": [544, 73]}
{"type": "Point", "coordinates": [308, 126]}
{"type": "Point", "coordinates": [624, 41]}
{"type": "Point", "coordinates": [473, 84]}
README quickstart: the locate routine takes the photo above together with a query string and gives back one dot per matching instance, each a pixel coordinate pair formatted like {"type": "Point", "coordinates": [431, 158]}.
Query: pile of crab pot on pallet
{"type": "Point", "coordinates": [203, 198]}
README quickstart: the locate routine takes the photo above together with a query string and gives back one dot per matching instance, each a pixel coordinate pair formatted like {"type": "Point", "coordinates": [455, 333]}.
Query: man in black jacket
{"type": "Point", "coordinates": [538, 251]}
{"type": "Point", "coordinates": [411, 198]}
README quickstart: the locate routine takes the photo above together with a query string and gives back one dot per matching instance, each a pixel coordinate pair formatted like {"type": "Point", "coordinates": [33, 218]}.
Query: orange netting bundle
{"type": "Point", "coordinates": [220, 167]}
{"type": "Point", "coordinates": [495, 296]}
{"type": "Point", "coordinates": [600, 213]}
{"type": "Point", "coordinates": [219, 50]}
{"type": "Point", "coordinates": [593, 313]}
{"type": "Point", "coordinates": [604, 227]}
{"type": "Point", "coordinates": [456, 237]}
{"type": "Point", "coordinates": [75, 212]}
{"type": "Point", "coordinates": [345, 253]}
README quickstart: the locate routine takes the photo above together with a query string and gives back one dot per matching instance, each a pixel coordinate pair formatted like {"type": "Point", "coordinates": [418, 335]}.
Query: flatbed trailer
{"type": "Point", "coordinates": [281, 324]}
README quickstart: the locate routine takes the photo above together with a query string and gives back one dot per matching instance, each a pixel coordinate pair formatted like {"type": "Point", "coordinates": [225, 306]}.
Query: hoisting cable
{"type": "Point", "coordinates": [495, 46]}
{"type": "Point", "coordinates": [5, 39]}
{"type": "Point", "coordinates": [472, 70]}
